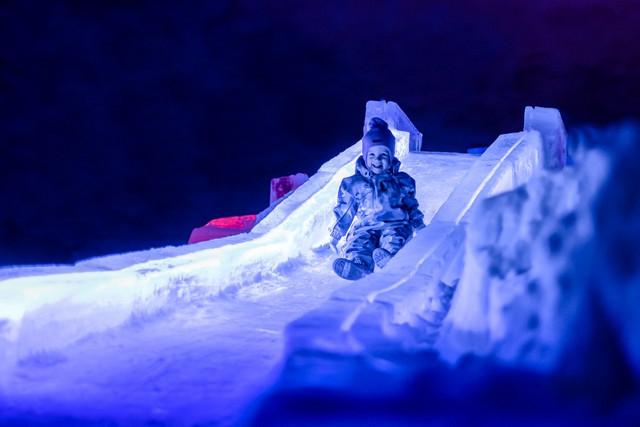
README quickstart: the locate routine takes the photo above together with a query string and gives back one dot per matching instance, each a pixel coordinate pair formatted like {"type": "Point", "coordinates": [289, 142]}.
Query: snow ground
{"type": "Point", "coordinates": [190, 362]}
{"type": "Point", "coordinates": [195, 360]}
{"type": "Point", "coordinates": [503, 306]}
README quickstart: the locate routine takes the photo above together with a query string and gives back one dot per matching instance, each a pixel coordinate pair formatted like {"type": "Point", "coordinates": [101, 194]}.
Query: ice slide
{"type": "Point", "coordinates": [44, 309]}
{"type": "Point", "coordinates": [407, 301]}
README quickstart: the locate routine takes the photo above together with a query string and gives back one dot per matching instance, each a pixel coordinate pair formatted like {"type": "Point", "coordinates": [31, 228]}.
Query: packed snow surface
{"type": "Point", "coordinates": [517, 304]}
{"type": "Point", "coordinates": [194, 356]}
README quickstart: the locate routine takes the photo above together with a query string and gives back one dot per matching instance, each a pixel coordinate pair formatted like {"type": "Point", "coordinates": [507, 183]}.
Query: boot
{"type": "Point", "coordinates": [381, 257]}
{"type": "Point", "coordinates": [349, 270]}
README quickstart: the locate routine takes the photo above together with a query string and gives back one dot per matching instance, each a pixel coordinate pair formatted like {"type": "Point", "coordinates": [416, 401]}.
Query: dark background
{"type": "Point", "coordinates": [125, 124]}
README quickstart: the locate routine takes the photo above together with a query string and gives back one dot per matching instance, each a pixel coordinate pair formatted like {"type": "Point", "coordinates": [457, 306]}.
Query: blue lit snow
{"type": "Point", "coordinates": [252, 325]}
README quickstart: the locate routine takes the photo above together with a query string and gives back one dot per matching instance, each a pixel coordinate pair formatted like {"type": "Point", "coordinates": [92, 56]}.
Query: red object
{"type": "Point", "coordinates": [223, 227]}
{"type": "Point", "coordinates": [284, 184]}
{"type": "Point", "coordinates": [232, 225]}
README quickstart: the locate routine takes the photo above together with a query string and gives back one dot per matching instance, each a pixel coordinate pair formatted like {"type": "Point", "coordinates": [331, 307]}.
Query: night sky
{"type": "Point", "coordinates": [125, 124]}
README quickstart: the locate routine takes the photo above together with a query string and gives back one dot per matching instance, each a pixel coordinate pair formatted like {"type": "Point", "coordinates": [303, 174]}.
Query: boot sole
{"type": "Point", "coordinates": [348, 270]}
{"type": "Point", "coordinates": [381, 257]}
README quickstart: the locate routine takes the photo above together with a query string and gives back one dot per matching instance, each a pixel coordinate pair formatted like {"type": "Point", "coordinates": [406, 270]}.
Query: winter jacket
{"type": "Point", "coordinates": [369, 200]}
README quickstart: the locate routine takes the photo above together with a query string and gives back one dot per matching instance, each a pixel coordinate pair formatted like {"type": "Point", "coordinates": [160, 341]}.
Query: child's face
{"type": "Point", "coordinates": [378, 159]}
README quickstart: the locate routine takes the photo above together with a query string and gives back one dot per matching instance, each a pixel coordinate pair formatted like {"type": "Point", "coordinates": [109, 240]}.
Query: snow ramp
{"type": "Point", "coordinates": [48, 307]}
{"type": "Point", "coordinates": [122, 284]}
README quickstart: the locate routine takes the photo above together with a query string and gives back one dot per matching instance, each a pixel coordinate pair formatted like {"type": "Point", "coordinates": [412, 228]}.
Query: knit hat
{"type": "Point", "coordinates": [378, 134]}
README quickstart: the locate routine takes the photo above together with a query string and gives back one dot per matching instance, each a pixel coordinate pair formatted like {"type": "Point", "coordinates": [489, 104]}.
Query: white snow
{"type": "Point", "coordinates": [197, 334]}
{"type": "Point", "coordinates": [205, 320]}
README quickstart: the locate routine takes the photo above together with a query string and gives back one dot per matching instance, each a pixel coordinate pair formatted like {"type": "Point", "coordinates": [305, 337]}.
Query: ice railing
{"type": "Point", "coordinates": [402, 304]}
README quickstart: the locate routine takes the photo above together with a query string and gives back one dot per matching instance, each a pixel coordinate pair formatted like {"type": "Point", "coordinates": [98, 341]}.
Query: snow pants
{"type": "Point", "coordinates": [391, 236]}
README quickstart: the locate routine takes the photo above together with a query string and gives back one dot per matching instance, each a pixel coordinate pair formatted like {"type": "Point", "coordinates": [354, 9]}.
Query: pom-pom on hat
{"type": "Point", "coordinates": [378, 134]}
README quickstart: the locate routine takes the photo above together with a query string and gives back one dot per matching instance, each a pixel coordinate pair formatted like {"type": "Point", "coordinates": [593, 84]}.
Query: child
{"type": "Point", "coordinates": [377, 209]}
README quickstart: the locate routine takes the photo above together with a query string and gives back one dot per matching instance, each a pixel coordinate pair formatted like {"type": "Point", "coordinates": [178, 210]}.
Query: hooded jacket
{"type": "Point", "coordinates": [369, 200]}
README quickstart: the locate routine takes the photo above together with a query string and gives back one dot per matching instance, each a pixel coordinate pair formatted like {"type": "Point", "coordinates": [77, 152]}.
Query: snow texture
{"type": "Point", "coordinates": [504, 287]}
